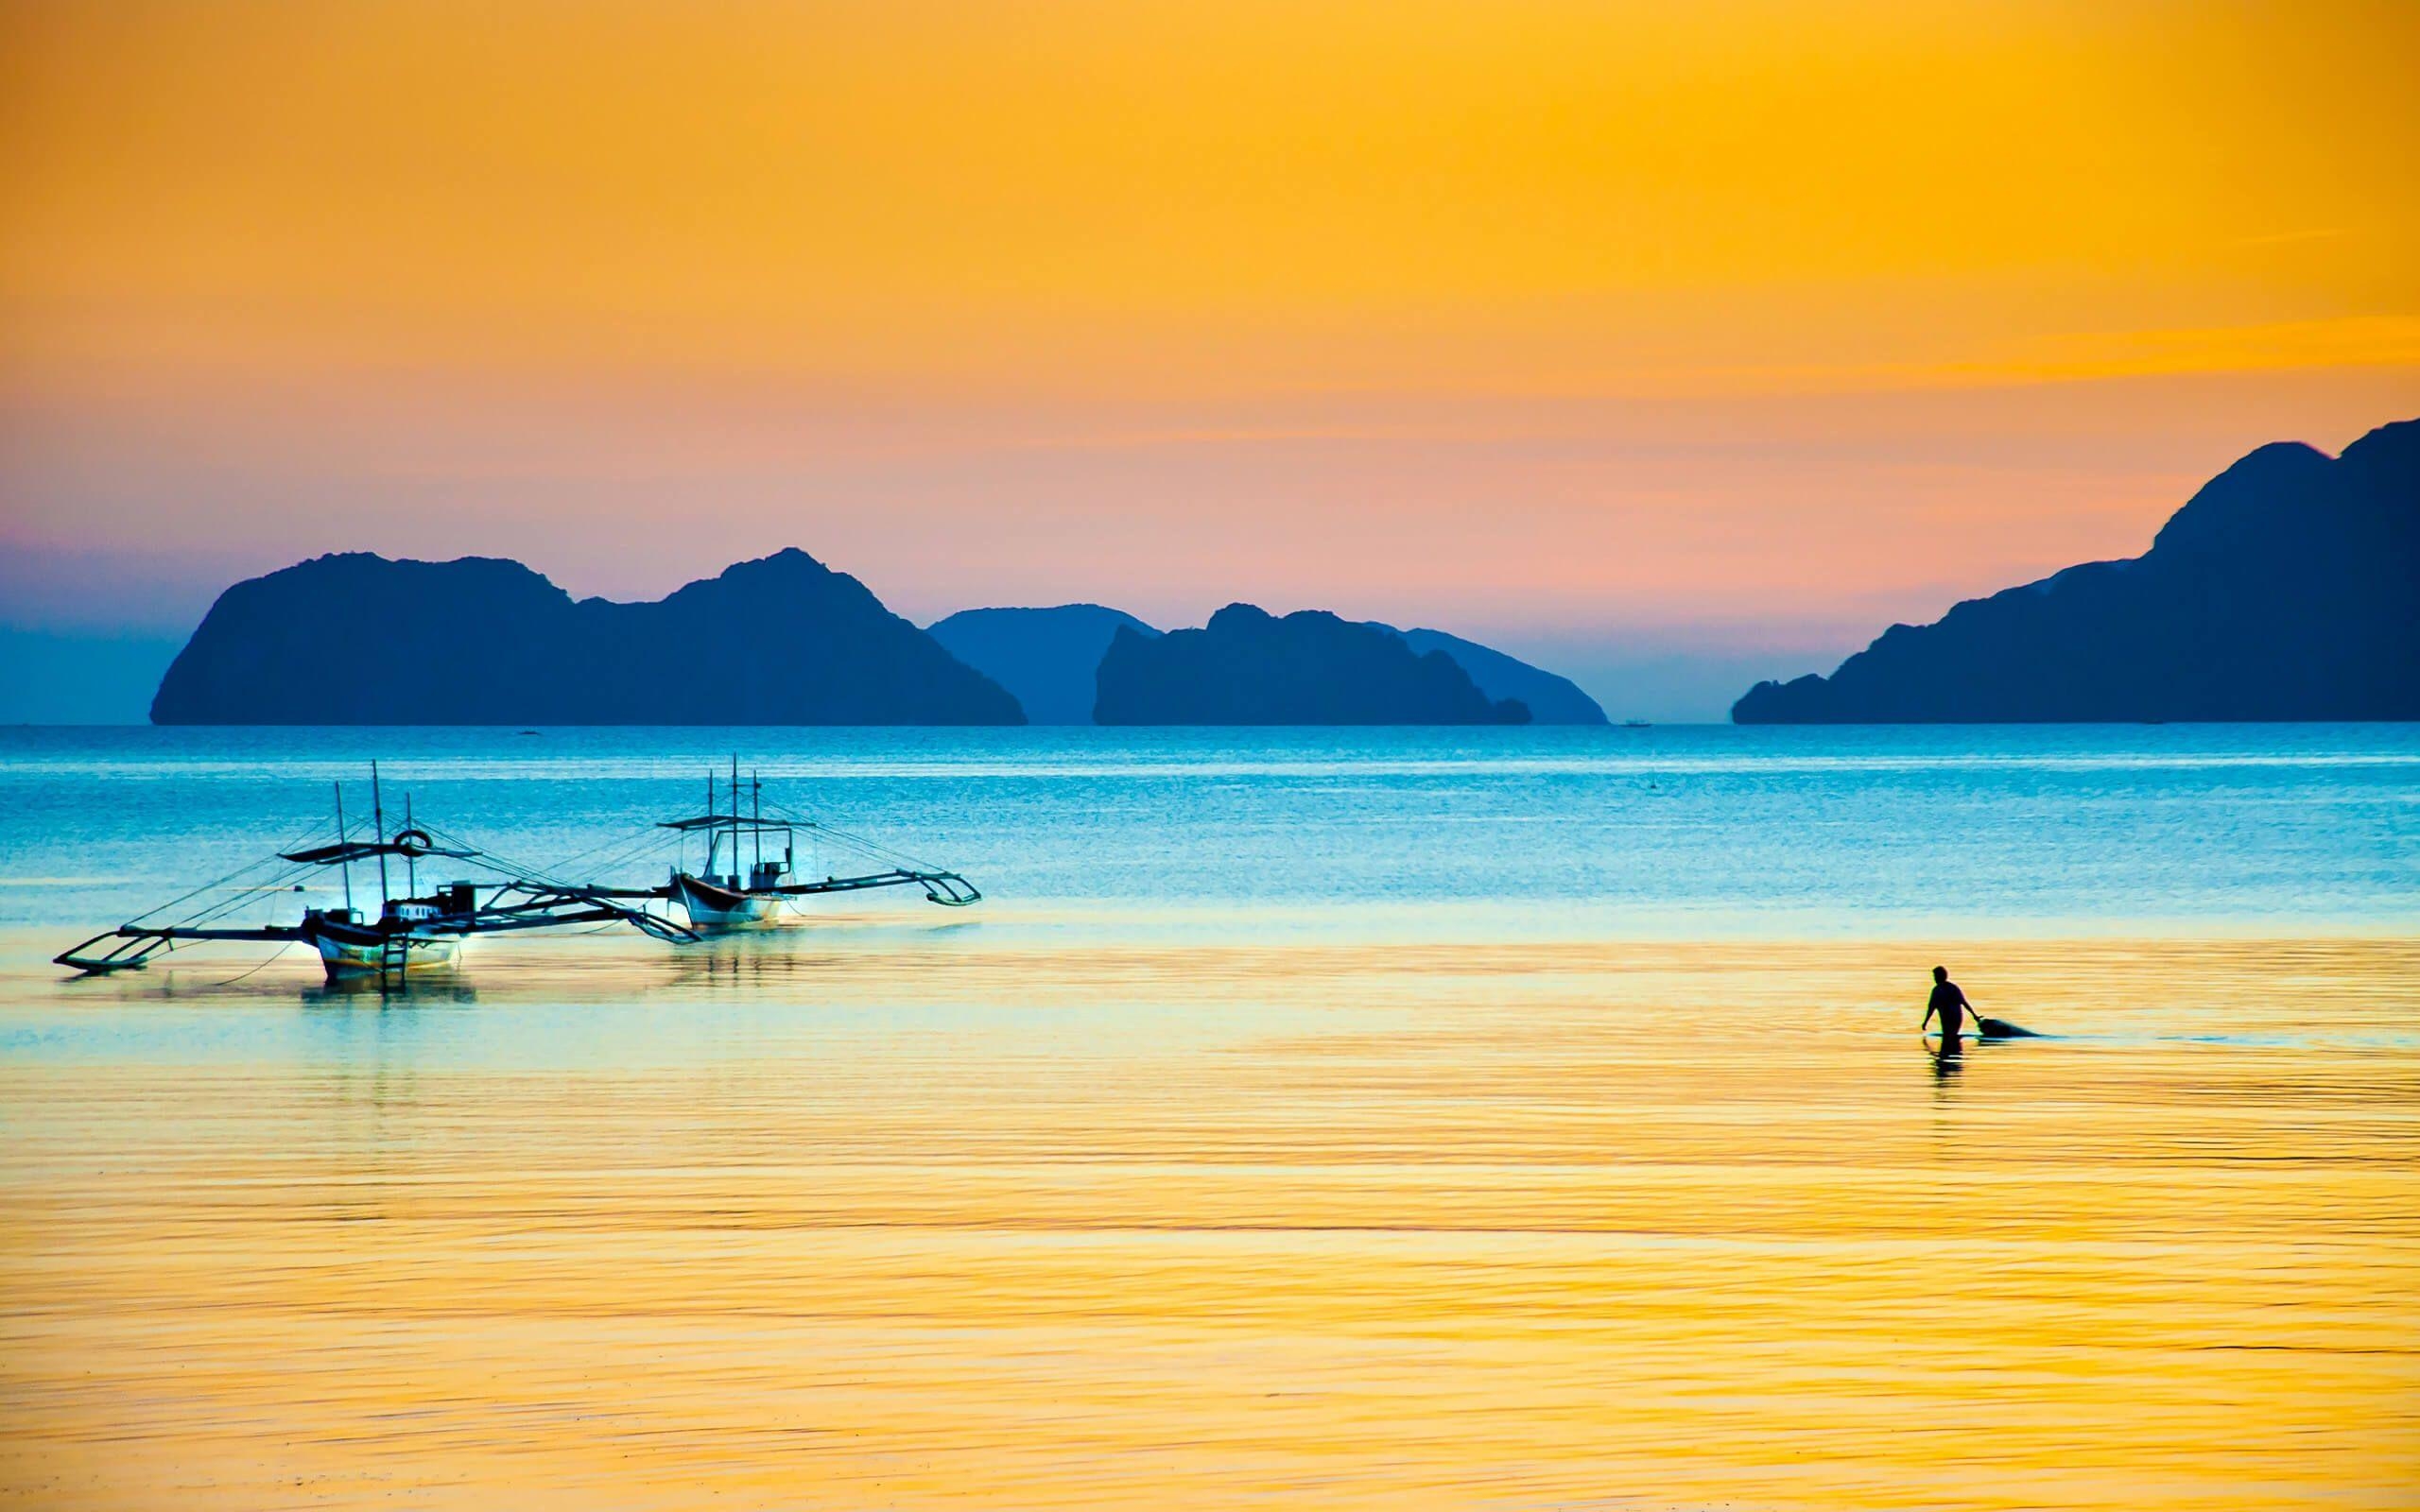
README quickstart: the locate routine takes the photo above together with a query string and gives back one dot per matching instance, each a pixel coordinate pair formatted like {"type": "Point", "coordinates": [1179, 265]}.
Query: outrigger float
{"type": "Point", "coordinates": [416, 931]}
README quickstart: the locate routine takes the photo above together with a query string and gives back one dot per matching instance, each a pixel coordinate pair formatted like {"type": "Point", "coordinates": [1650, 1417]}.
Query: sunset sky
{"type": "Point", "coordinates": [1671, 345]}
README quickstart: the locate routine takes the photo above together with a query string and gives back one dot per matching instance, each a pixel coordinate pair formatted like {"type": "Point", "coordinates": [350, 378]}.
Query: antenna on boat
{"type": "Point", "coordinates": [756, 804]}
{"type": "Point", "coordinates": [342, 838]}
{"type": "Point", "coordinates": [378, 819]}
{"type": "Point", "coordinates": [411, 862]}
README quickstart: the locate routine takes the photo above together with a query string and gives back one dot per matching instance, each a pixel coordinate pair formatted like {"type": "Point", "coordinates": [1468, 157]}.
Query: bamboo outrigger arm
{"type": "Point", "coordinates": [540, 906]}
{"type": "Point", "coordinates": [138, 943]}
{"type": "Point", "coordinates": [946, 888]}
{"type": "Point", "coordinates": [548, 909]}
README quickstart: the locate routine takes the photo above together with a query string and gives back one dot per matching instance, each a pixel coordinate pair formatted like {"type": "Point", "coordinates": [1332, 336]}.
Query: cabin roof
{"type": "Point", "coordinates": [725, 821]}
{"type": "Point", "coordinates": [329, 856]}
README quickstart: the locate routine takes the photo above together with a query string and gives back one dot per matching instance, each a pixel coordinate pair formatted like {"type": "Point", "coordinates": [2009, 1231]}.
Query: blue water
{"type": "Point", "coordinates": [1673, 832]}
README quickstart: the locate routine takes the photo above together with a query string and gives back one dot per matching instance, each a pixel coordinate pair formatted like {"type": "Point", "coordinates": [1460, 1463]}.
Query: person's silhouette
{"type": "Point", "coordinates": [1948, 1002]}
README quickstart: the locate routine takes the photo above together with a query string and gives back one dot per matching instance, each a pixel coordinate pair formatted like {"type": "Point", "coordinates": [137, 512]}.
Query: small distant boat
{"type": "Point", "coordinates": [411, 932]}
{"type": "Point", "coordinates": [1638, 724]}
{"type": "Point", "coordinates": [724, 895]}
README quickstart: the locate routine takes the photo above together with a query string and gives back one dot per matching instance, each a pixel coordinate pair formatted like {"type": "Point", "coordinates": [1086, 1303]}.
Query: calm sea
{"type": "Point", "coordinates": [1671, 832]}
{"type": "Point", "coordinates": [1496, 1119]}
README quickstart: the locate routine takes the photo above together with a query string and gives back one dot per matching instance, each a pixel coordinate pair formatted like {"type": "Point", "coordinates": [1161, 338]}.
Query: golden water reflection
{"type": "Point", "coordinates": [960, 1222]}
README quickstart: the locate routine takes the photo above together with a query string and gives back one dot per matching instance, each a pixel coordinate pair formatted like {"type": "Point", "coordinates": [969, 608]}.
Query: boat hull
{"type": "Point", "coordinates": [711, 907]}
{"type": "Point", "coordinates": [368, 954]}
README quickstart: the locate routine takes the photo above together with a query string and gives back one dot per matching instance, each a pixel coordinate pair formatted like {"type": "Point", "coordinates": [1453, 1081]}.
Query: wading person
{"type": "Point", "coordinates": [1949, 1003]}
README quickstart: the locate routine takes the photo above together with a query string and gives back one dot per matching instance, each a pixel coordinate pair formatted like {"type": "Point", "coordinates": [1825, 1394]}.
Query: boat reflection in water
{"type": "Point", "coordinates": [359, 990]}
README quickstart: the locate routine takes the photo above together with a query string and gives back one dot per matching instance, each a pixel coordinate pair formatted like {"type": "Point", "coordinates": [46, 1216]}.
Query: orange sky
{"type": "Point", "coordinates": [1742, 322]}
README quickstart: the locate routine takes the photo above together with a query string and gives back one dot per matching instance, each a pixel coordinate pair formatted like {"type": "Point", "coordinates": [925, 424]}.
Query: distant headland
{"type": "Point", "coordinates": [1046, 657]}
{"type": "Point", "coordinates": [1250, 667]}
{"type": "Point", "coordinates": [782, 639]}
{"type": "Point", "coordinates": [1050, 659]}
{"type": "Point", "coordinates": [2288, 587]}
{"type": "Point", "coordinates": [2284, 590]}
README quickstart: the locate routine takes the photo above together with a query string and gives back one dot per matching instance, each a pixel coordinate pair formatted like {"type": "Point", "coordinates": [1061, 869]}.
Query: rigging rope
{"type": "Point", "coordinates": [856, 842]}
{"type": "Point", "coordinates": [240, 975]}
{"type": "Point", "coordinates": [277, 882]}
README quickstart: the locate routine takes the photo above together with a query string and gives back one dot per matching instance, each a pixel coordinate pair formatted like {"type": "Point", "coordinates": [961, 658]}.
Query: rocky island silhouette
{"type": "Point", "coordinates": [1250, 667]}
{"type": "Point", "coordinates": [359, 640]}
{"type": "Point", "coordinates": [1050, 659]}
{"type": "Point", "coordinates": [1046, 657]}
{"type": "Point", "coordinates": [2285, 588]}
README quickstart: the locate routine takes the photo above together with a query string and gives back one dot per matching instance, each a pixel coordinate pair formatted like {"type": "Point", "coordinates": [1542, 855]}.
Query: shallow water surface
{"type": "Point", "coordinates": [1102, 1196]}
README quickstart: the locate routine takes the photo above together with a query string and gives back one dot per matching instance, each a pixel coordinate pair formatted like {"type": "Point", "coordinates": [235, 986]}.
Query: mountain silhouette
{"type": "Point", "coordinates": [1051, 658]}
{"type": "Point", "coordinates": [358, 640]}
{"type": "Point", "coordinates": [1250, 667]}
{"type": "Point", "coordinates": [2284, 590]}
{"type": "Point", "coordinates": [1551, 699]}
{"type": "Point", "coordinates": [1046, 657]}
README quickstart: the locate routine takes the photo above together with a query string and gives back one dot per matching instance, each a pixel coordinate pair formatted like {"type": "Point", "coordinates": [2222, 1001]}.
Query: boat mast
{"type": "Point", "coordinates": [378, 831]}
{"type": "Point", "coordinates": [341, 839]}
{"type": "Point", "coordinates": [737, 879]}
{"type": "Point", "coordinates": [412, 863]}
{"type": "Point", "coordinates": [756, 802]}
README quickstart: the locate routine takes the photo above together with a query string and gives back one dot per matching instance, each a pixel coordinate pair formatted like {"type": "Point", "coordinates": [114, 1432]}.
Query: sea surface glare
{"type": "Point", "coordinates": [1492, 1119]}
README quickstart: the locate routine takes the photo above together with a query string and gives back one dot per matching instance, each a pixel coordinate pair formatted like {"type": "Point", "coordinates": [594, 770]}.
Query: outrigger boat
{"type": "Point", "coordinates": [409, 932]}
{"type": "Point", "coordinates": [720, 896]}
